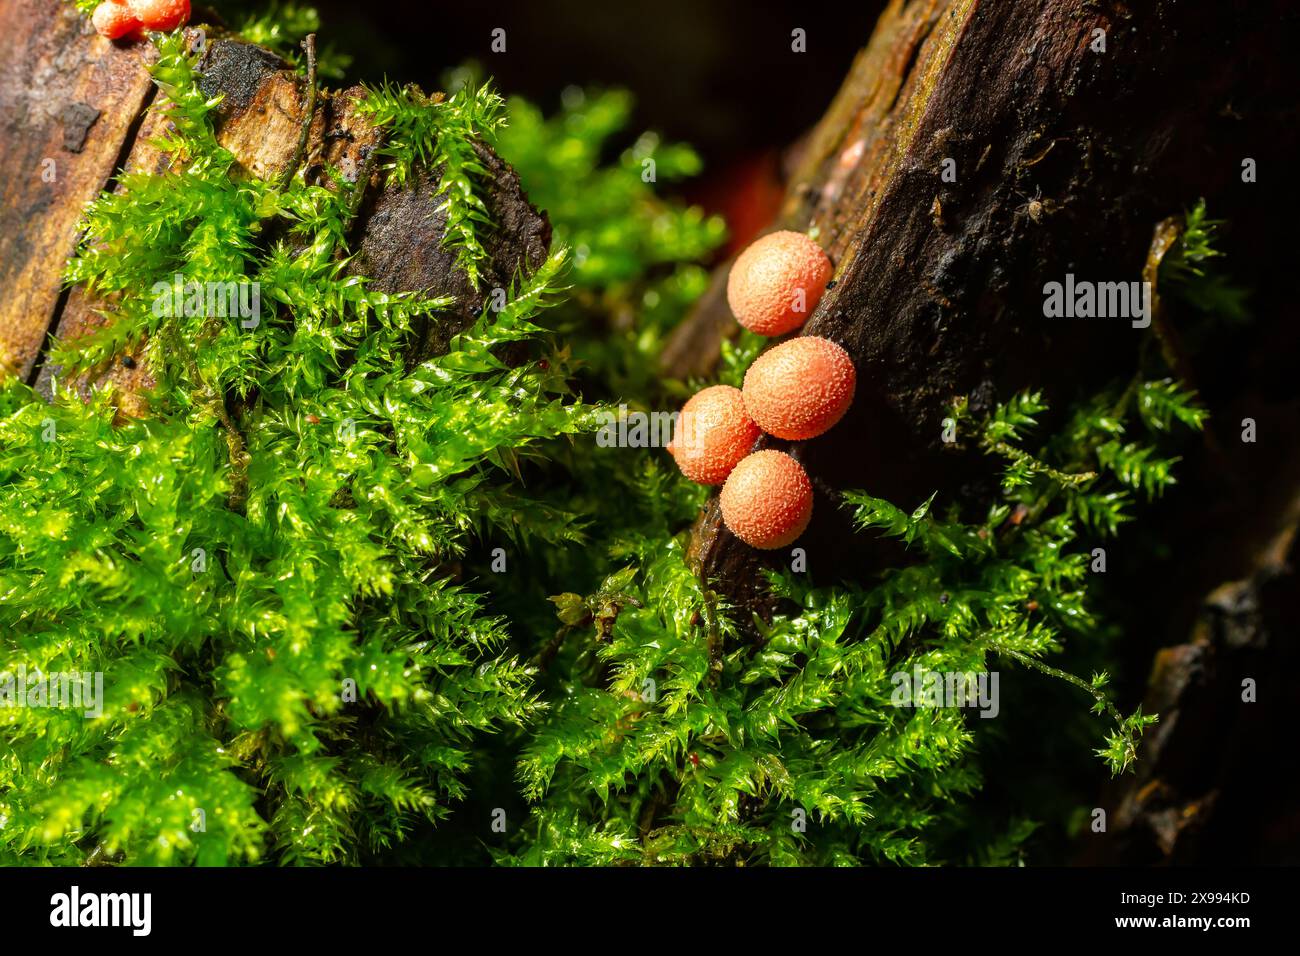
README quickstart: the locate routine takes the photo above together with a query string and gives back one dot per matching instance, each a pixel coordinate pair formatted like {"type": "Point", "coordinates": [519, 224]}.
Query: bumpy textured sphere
{"type": "Point", "coordinates": [767, 500]}
{"type": "Point", "coordinates": [161, 14]}
{"type": "Point", "coordinates": [713, 433]}
{"type": "Point", "coordinates": [762, 286]}
{"type": "Point", "coordinates": [800, 388]}
{"type": "Point", "coordinates": [114, 19]}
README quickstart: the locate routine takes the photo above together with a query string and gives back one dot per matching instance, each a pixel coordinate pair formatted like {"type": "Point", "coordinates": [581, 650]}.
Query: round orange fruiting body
{"type": "Point", "coordinates": [776, 283]}
{"type": "Point", "coordinates": [800, 388]}
{"type": "Point", "coordinates": [161, 14]}
{"type": "Point", "coordinates": [767, 500]}
{"type": "Point", "coordinates": [713, 433]}
{"type": "Point", "coordinates": [114, 19]}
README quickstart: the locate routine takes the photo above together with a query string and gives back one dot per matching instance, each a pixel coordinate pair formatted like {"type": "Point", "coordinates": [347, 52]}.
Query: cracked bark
{"type": "Point", "coordinates": [937, 294]}
{"type": "Point", "coordinates": [68, 101]}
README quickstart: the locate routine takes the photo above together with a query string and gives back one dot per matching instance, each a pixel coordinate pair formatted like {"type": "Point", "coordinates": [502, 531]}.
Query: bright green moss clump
{"type": "Point", "coordinates": [275, 541]}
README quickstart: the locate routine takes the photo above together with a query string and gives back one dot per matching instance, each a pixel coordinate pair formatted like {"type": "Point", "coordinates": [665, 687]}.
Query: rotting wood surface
{"type": "Point", "coordinates": [57, 74]}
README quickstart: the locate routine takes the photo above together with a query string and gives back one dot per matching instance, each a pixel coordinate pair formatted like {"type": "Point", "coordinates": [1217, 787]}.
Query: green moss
{"type": "Point", "coordinates": [282, 527]}
{"type": "Point", "coordinates": [687, 745]}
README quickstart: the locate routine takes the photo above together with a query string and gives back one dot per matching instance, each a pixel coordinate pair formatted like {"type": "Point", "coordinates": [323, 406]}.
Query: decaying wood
{"type": "Point", "coordinates": [938, 286]}
{"type": "Point", "coordinates": [68, 102]}
{"type": "Point", "coordinates": [397, 233]}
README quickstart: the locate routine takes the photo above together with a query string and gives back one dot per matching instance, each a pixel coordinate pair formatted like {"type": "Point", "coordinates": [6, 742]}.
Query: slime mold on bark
{"type": "Point", "coordinates": [713, 433]}
{"type": "Point", "coordinates": [800, 388]}
{"type": "Point", "coordinates": [777, 282]}
{"type": "Point", "coordinates": [767, 500]}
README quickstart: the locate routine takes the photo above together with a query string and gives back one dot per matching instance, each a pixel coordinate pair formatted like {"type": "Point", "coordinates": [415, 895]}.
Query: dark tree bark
{"type": "Point", "coordinates": [1208, 786]}
{"type": "Point", "coordinates": [1066, 159]}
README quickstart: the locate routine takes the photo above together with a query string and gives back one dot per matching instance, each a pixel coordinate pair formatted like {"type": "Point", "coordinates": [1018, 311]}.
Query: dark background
{"type": "Point", "coordinates": [718, 74]}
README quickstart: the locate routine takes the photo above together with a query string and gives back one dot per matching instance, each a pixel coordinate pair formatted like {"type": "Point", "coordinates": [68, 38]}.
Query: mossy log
{"type": "Point", "coordinates": [58, 74]}
{"type": "Point", "coordinates": [1067, 154]}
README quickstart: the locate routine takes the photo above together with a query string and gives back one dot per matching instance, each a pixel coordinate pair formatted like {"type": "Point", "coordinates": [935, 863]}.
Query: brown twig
{"type": "Point", "coordinates": [309, 44]}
